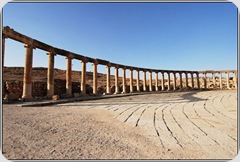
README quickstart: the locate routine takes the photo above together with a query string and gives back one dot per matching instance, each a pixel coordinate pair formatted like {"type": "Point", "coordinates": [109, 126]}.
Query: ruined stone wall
{"type": "Point", "coordinates": [14, 89]}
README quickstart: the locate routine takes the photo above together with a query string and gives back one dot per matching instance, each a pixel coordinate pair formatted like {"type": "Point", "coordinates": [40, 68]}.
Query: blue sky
{"type": "Point", "coordinates": [177, 36]}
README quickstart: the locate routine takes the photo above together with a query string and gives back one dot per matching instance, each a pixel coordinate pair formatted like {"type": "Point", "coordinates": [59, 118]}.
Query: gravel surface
{"type": "Point", "coordinates": [181, 125]}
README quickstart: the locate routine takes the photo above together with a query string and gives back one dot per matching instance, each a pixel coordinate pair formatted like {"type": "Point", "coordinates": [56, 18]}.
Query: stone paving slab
{"type": "Point", "coordinates": [182, 125]}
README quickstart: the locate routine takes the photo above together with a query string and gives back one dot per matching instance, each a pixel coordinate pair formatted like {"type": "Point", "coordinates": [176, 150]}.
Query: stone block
{"type": "Point", "coordinates": [55, 97]}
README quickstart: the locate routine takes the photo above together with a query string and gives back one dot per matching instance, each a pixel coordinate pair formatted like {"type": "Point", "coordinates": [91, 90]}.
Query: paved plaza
{"type": "Point", "coordinates": [168, 125]}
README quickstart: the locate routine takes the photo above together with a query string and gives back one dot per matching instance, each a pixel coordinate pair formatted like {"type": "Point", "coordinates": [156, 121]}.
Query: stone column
{"type": "Point", "coordinates": [144, 81]}
{"type": "Point", "coordinates": [27, 78]}
{"type": "Point", "coordinates": [150, 81]}
{"type": "Point", "coordinates": [214, 79]}
{"type": "Point", "coordinates": [50, 74]}
{"type": "Point", "coordinates": [116, 81]}
{"type": "Point", "coordinates": [131, 80]}
{"type": "Point", "coordinates": [220, 80]}
{"type": "Point", "coordinates": [205, 80]}
{"type": "Point", "coordinates": [235, 79]}
{"type": "Point", "coordinates": [83, 78]}
{"type": "Point", "coordinates": [163, 86]}
{"type": "Point", "coordinates": [174, 81]}
{"type": "Point", "coordinates": [198, 83]}
{"type": "Point", "coordinates": [108, 79]}
{"type": "Point", "coordinates": [227, 79]}
{"type": "Point", "coordinates": [69, 76]}
{"type": "Point", "coordinates": [95, 77]}
{"type": "Point", "coordinates": [3, 51]}
{"type": "Point", "coordinates": [186, 74]}
{"type": "Point", "coordinates": [138, 81]}
{"type": "Point", "coordinates": [180, 80]}
{"type": "Point", "coordinates": [168, 73]}
{"type": "Point", "coordinates": [156, 82]}
{"type": "Point", "coordinates": [192, 80]}
{"type": "Point", "coordinates": [124, 80]}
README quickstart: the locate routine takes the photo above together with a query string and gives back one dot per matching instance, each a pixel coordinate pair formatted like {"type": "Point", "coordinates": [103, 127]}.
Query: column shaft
{"type": "Point", "coordinates": [83, 78]}
{"type": "Point", "coordinates": [27, 78]}
{"type": "Point", "coordinates": [227, 79]}
{"type": "Point", "coordinates": [131, 81]}
{"type": "Point", "coordinates": [69, 77]}
{"type": "Point", "coordinates": [163, 85]}
{"type": "Point", "coordinates": [50, 75]}
{"type": "Point", "coordinates": [186, 74]}
{"type": "Point", "coordinates": [150, 81]}
{"type": "Point", "coordinates": [3, 51]}
{"type": "Point", "coordinates": [138, 81]}
{"type": "Point", "coordinates": [144, 81]}
{"type": "Point", "coordinates": [180, 80]}
{"type": "Point", "coordinates": [124, 80]}
{"type": "Point", "coordinates": [156, 82]}
{"type": "Point", "coordinates": [205, 80]}
{"type": "Point", "coordinates": [235, 79]}
{"type": "Point", "coordinates": [220, 80]}
{"type": "Point", "coordinates": [168, 74]}
{"type": "Point", "coordinates": [174, 81]}
{"type": "Point", "coordinates": [214, 79]}
{"type": "Point", "coordinates": [116, 81]}
{"type": "Point", "coordinates": [108, 79]}
{"type": "Point", "coordinates": [198, 83]}
{"type": "Point", "coordinates": [192, 80]}
{"type": "Point", "coordinates": [95, 77]}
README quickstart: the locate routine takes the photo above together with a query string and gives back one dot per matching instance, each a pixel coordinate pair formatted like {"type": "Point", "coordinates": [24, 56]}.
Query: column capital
{"type": "Point", "coordinates": [84, 60]}
{"type": "Point", "coordinates": [108, 65]}
{"type": "Point", "coordinates": [95, 62]}
{"type": "Point", "coordinates": [4, 36]}
{"type": "Point", "coordinates": [69, 56]}
{"type": "Point", "coordinates": [51, 52]}
{"type": "Point", "coordinates": [29, 46]}
{"type": "Point", "coordinates": [131, 69]}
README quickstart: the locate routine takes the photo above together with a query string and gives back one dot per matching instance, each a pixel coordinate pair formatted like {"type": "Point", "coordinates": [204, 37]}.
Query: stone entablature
{"type": "Point", "coordinates": [31, 44]}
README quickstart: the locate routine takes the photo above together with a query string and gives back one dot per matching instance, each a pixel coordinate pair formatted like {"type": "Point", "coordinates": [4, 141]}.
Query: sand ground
{"type": "Point", "coordinates": [180, 125]}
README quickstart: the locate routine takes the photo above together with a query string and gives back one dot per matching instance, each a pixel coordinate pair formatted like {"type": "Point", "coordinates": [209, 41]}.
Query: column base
{"type": "Point", "coordinates": [107, 93]}
{"type": "Point", "coordinates": [27, 98]}
{"type": "Point", "coordinates": [68, 95]}
{"type": "Point", "coordinates": [83, 94]}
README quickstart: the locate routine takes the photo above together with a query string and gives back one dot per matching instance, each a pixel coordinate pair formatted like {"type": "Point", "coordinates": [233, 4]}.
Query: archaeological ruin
{"type": "Point", "coordinates": [176, 79]}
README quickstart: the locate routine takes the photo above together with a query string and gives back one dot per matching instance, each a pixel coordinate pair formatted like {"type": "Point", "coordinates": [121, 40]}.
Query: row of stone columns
{"type": "Point", "coordinates": [27, 82]}
{"type": "Point", "coordinates": [145, 80]}
{"type": "Point", "coordinates": [220, 79]}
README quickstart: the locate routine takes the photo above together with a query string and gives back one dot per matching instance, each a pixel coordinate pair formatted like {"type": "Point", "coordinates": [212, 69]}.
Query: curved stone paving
{"type": "Point", "coordinates": [205, 121]}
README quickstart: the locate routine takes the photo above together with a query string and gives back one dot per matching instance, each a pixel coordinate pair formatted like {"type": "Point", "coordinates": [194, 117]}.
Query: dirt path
{"type": "Point", "coordinates": [183, 125]}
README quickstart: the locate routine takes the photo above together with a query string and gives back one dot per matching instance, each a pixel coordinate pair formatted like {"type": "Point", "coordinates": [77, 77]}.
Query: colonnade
{"type": "Point", "coordinates": [31, 44]}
